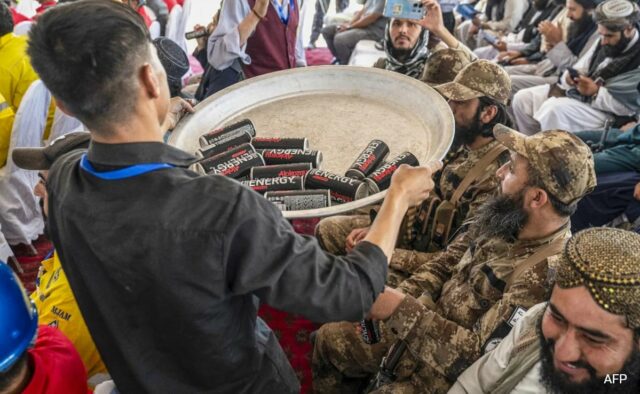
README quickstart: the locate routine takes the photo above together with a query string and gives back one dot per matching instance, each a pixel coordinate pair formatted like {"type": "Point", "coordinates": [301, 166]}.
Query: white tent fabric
{"type": "Point", "coordinates": [27, 7]}
{"type": "Point", "coordinates": [154, 30]}
{"type": "Point", "coordinates": [20, 214]}
{"type": "Point", "coordinates": [22, 28]}
{"type": "Point", "coordinates": [64, 124]}
{"type": "Point", "coordinates": [182, 28]}
{"type": "Point", "coordinates": [173, 26]}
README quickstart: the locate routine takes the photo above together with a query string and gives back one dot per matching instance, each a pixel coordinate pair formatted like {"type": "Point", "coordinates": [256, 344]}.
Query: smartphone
{"type": "Point", "coordinates": [404, 9]}
{"type": "Point", "coordinates": [467, 11]}
{"type": "Point", "coordinates": [573, 73]}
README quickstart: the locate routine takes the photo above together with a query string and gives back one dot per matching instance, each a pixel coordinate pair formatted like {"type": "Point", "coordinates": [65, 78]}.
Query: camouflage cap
{"type": "Point", "coordinates": [478, 79]}
{"type": "Point", "coordinates": [607, 262]}
{"type": "Point", "coordinates": [443, 65]}
{"type": "Point", "coordinates": [562, 161]}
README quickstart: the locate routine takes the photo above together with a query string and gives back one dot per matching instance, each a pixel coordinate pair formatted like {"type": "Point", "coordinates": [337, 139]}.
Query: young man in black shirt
{"type": "Point", "coordinates": [168, 267]}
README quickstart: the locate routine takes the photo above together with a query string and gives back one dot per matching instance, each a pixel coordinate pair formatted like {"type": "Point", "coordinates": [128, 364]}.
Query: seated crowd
{"type": "Point", "coordinates": [512, 266]}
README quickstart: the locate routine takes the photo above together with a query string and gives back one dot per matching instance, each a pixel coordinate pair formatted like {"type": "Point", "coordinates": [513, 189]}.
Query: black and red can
{"type": "Point", "coordinates": [293, 169]}
{"type": "Point", "coordinates": [223, 143]}
{"type": "Point", "coordinates": [343, 189]}
{"type": "Point", "coordinates": [380, 179]}
{"type": "Point", "coordinates": [234, 163]}
{"type": "Point", "coordinates": [299, 200]}
{"type": "Point", "coordinates": [243, 125]}
{"type": "Point", "coordinates": [264, 185]}
{"type": "Point", "coordinates": [370, 158]}
{"type": "Point", "coordinates": [280, 143]}
{"type": "Point", "coordinates": [287, 156]}
{"type": "Point", "coordinates": [370, 331]}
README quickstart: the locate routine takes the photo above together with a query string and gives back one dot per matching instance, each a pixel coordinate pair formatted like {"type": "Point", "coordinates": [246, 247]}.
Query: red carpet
{"type": "Point", "coordinates": [28, 261]}
{"type": "Point", "coordinates": [293, 330]}
{"type": "Point", "coordinates": [318, 56]}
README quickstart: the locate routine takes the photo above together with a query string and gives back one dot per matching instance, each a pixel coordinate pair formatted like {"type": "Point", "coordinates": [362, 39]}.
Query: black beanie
{"type": "Point", "coordinates": [172, 57]}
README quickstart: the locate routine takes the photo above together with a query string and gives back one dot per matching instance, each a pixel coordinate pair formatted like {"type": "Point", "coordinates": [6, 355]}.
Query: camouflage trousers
{"type": "Point", "coordinates": [332, 233]}
{"type": "Point", "coordinates": [344, 363]}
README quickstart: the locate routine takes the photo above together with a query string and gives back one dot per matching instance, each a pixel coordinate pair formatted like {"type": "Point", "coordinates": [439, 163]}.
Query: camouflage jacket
{"type": "Point", "coordinates": [473, 312]}
{"type": "Point", "coordinates": [456, 166]}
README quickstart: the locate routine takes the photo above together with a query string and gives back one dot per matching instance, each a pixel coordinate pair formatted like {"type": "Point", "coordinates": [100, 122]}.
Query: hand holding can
{"type": "Point", "coordinates": [414, 184]}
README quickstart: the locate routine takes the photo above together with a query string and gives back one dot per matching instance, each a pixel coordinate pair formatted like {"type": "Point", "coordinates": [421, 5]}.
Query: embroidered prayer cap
{"type": "Point", "coordinates": [43, 158]}
{"type": "Point", "coordinates": [481, 78]}
{"type": "Point", "coordinates": [607, 262]}
{"type": "Point", "coordinates": [172, 57]}
{"type": "Point", "coordinates": [617, 14]}
{"type": "Point", "coordinates": [563, 161]}
{"type": "Point", "coordinates": [443, 65]}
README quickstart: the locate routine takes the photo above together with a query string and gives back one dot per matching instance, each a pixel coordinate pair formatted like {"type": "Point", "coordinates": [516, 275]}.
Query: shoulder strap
{"type": "Point", "coordinates": [552, 248]}
{"type": "Point", "coordinates": [476, 171]}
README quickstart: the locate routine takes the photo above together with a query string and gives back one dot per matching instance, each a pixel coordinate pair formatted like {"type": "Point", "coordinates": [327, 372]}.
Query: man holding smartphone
{"type": "Point", "coordinates": [601, 83]}
{"type": "Point", "coordinates": [407, 52]}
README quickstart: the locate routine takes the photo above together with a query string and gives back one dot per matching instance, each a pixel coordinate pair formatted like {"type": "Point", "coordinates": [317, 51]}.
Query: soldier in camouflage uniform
{"type": "Point", "coordinates": [477, 97]}
{"type": "Point", "coordinates": [447, 321]}
{"type": "Point", "coordinates": [445, 64]}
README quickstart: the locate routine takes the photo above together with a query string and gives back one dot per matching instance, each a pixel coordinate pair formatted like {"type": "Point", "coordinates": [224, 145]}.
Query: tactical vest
{"type": "Point", "coordinates": [428, 227]}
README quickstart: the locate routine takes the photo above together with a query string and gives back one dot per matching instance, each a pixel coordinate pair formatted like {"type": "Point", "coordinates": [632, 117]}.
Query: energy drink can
{"type": "Point", "coordinates": [380, 179]}
{"type": "Point", "coordinates": [293, 169]}
{"type": "Point", "coordinates": [223, 143]}
{"type": "Point", "coordinates": [280, 143]}
{"type": "Point", "coordinates": [244, 125]}
{"type": "Point", "coordinates": [299, 200]}
{"type": "Point", "coordinates": [234, 163]}
{"type": "Point", "coordinates": [264, 185]}
{"type": "Point", "coordinates": [343, 189]}
{"type": "Point", "coordinates": [287, 156]}
{"type": "Point", "coordinates": [370, 331]}
{"type": "Point", "coordinates": [370, 158]}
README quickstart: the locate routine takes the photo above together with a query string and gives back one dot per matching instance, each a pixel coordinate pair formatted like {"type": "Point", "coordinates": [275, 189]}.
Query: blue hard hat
{"type": "Point", "coordinates": [18, 319]}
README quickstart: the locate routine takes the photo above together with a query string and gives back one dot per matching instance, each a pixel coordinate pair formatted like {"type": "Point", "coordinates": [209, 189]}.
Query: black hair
{"type": "Point", "coordinates": [9, 377]}
{"type": "Point", "coordinates": [88, 53]}
{"type": "Point", "coordinates": [6, 19]}
{"type": "Point", "coordinates": [502, 115]}
{"type": "Point", "coordinates": [562, 209]}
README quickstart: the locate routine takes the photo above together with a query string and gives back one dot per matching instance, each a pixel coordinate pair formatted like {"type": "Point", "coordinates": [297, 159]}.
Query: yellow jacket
{"type": "Point", "coordinates": [16, 75]}
{"type": "Point", "coordinates": [57, 307]}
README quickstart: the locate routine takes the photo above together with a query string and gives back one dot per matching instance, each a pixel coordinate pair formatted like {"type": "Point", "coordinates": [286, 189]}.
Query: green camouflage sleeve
{"type": "Point", "coordinates": [450, 348]}
{"type": "Point", "coordinates": [434, 268]}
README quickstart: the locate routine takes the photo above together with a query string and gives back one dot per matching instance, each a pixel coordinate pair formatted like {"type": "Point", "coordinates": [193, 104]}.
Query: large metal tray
{"type": "Point", "coordinates": [339, 109]}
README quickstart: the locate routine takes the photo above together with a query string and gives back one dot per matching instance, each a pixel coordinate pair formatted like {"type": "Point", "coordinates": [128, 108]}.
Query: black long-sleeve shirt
{"type": "Point", "coordinates": [168, 267]}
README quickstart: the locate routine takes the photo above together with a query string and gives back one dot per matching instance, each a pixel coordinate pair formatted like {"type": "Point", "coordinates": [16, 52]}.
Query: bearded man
{"type": "Point", "coordinates": [445, 317]}
{"type": "Point", "coordinates": [602, 85]}
{"type": "Point", "coordinates": [586, 339]}
{"type": "Point", "coordinates": [477, 98]}
{"type": "Point", "coordinates": [525, 32]}
{"type": "Point", "coordinates": [407, 49]}
{"type": "Point", "coordinates": [560, 50]}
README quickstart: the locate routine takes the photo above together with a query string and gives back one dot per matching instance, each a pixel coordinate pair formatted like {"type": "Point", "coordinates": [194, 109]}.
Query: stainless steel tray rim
{"type": "Point", "coordinates": [356, 83]}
